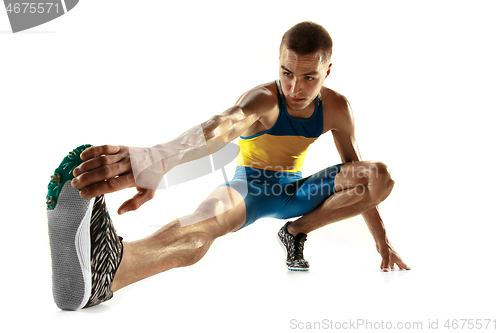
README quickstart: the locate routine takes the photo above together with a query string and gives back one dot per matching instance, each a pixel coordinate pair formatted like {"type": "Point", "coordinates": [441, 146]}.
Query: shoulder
{"type": "Point", "coordinates": [333, 101]}
{"type": "Point", "coordinates": [260, 104]}
{"type": "Point", "coordinates": [337, 111]}
{"type": "Point", "coordinates": [262, 95]}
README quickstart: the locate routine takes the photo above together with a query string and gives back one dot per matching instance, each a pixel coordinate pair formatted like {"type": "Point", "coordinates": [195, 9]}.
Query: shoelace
{"type": "Point", "coordinates": [299, 247]}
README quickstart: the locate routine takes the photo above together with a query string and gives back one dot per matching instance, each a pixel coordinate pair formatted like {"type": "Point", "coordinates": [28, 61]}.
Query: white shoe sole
{"type": "Point", "coordinates": [69, 234]}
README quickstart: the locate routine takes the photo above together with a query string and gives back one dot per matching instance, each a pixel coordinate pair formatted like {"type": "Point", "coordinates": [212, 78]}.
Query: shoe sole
{"type": "Point", "coordinates": [286, 254]}
{"type": "Point", "coordinates": [69, 234]}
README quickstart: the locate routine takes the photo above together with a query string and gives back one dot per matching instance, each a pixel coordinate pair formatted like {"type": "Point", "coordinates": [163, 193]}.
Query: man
{"type": "Point", "coordinates": [276, 122]}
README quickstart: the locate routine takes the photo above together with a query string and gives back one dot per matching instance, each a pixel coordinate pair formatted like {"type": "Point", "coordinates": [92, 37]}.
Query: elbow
{"type": "Point", "coordinates": [218, 131]}
{"type": "Point", "coordinates": [227, 126]}
{"type": "Point", "coordinates": [348, 158]}
{"type": "Point", "coordinates": [211, 128]}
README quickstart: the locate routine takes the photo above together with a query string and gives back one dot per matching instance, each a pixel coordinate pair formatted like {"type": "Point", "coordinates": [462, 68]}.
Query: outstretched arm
{"type": "Point", "coordinates": [119, 167]}
{"type": "Point", "coordinates": [343, 135]}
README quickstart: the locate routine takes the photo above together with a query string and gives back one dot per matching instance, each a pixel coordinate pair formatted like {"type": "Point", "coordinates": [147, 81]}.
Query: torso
{"type": "Point", "coordinates": [280, 142]}
{"type": "Point", "coordinates": [331, 101]}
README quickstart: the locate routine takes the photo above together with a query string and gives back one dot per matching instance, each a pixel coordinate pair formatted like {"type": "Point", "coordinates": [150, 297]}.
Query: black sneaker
{"type": "Point", "coordinates": [84, 246]}
{"type": "Point", "coordinates": [294, 249]}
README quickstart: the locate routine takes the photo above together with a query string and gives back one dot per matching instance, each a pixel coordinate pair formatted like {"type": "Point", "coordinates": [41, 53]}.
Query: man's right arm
{"type": "Point", "coordinates": [114, 167]}
{"type": "Point", "coordinates": [212, 135]}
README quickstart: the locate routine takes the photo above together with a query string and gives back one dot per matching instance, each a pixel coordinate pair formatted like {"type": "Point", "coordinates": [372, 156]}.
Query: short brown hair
{"type": "Point", "coordinates": [306, 38]}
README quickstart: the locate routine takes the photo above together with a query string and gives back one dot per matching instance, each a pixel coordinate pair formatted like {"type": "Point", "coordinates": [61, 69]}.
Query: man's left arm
{"type": "Point", "coordinates": [347, 147]}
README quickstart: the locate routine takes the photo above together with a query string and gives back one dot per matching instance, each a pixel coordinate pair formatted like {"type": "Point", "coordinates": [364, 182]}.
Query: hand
{"type": "Point", "coordinates": [110, 171]}
{"type": "Point", "coordinates": [390, 257]}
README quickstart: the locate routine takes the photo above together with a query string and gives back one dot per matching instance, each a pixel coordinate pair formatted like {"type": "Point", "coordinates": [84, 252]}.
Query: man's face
{"type": "Point", "coordinates": [302, 77]}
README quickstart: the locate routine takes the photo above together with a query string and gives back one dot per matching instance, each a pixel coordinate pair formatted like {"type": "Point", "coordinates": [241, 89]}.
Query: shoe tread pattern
{"type": "Point", "coordinates": [68, 281]}
{"type": "Point", "coordinates": [106, 252]}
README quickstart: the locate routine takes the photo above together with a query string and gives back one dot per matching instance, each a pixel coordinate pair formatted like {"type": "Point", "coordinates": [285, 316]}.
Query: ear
{"type": "Point", "coordinates": [328, 70]}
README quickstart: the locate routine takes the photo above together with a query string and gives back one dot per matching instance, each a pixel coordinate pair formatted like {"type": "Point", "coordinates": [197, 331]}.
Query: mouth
{"type": "Point", "coordinates": [294, 99]}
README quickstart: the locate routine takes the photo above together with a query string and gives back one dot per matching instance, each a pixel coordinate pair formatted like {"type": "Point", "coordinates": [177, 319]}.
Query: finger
{"type": "Point", "coordinates": [96, 163]}
{"type": "Point", "coordinates": [137, 201]}
{"type": "Point", "coordinates": [92, 152]}
{"type": "Point", "coordinates": [108, 186]}
{"type": "Point", "coordinates": [105, 172]}
{"type": "Point", "coordinates": [384, 266]}
{"type": "Point", "coordinates": [402, 265]}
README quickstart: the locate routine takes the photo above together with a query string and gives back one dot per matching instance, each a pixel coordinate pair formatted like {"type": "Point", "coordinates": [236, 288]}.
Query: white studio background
{"type": "Point", "coordinates": [422, 78]}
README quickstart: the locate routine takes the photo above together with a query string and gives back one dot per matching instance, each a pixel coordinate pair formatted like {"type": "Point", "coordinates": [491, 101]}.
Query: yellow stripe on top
{"type": "Point", "coordinates": [271, 152]}
{"type": "Point", "coordinates": [284, 146]}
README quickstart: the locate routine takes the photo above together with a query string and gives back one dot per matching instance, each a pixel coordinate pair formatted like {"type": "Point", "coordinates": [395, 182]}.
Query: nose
{"type": "Point", "coordinates": [295, 87]}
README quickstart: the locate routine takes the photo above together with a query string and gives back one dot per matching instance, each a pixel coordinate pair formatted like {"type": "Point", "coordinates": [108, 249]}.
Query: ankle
{"type": "Point", "coordinates": [292, 230]}
{"type": "Point", "coordinates": [121, 273]}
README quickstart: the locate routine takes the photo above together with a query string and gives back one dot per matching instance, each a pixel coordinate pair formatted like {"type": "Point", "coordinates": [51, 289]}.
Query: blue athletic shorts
{"type": "Point", "coordinates": [280, 194]}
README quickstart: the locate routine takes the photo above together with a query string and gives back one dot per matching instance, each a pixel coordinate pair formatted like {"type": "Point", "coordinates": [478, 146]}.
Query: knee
{"type": "Point", "coordinates": [210, 207]}
{"type": "Point", "coordinates": [196, 245]}
{"type": "Point", "coordinates": [214, 213]}
{"type": "Point", "coordinates": [206, 212]}
{"type": "Point", "coordinates": [380, 179]}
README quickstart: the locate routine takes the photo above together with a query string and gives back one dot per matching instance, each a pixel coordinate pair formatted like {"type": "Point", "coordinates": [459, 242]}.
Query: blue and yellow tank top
{"type": "Point", "coordinates": [284, 146]}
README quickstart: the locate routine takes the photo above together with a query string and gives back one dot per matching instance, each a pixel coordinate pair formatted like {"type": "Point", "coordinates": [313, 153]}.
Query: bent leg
{"type": "Point", "coordinates": [183, 241]}
{"type": "Point", "coordinates": [359, 187]}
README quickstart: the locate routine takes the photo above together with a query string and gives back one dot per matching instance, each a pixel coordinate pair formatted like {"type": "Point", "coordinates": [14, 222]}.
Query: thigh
{"type": "Point", "coordinates": [305, 195]}
{"type": "Point", "coordinates": [355, 174]}
{"type": "Point", "coordinates": [261, 198]}
{"type": "Point", "coordinates": [223, 211]}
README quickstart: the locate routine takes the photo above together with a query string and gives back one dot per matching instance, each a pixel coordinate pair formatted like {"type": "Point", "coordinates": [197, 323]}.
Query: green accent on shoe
{"type": "Point", "coordinates": [62, 174]}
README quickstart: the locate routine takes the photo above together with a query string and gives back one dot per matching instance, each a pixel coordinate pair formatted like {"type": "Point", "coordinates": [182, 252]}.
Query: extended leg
{"type": "Point", "coordinates": [178, 246]}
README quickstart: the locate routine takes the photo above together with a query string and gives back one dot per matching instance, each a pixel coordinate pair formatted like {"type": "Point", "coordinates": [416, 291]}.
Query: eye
{"type": "Point", "coordinates": [287, 74]}
{"type": "Point", "coordinates": [309, 78]}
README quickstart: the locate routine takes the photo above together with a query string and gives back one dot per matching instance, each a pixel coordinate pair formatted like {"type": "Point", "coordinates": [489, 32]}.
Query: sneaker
{"type": "Point", "coordinates": [294, 249]}
{"type": "Point", "coordinates": [85, 249]}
